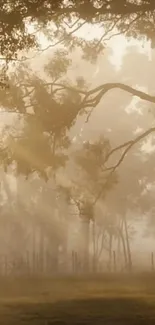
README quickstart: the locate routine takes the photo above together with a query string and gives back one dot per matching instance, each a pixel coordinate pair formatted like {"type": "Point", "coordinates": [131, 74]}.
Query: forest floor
{"type": "Point", "coordinates": [106, 300]}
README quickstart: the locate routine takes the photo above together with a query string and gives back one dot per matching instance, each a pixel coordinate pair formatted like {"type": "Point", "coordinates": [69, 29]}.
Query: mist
{"type": "Point", "coordinates": [77, 162]}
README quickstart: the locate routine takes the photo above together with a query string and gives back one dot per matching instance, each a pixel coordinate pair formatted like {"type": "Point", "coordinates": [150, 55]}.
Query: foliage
{"type": "Point", "coordinates": [44, 113]}
{"type": "Point", "coordinates": [55, 19]}
{"type": "Point", "coordinates": [91, 159]}
{"type": "Point", "coordinates": [58, 66]}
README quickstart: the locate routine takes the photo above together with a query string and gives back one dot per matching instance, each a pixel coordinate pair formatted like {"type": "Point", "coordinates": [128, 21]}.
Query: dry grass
{"type": "Point", "coordinates": [104, 300]}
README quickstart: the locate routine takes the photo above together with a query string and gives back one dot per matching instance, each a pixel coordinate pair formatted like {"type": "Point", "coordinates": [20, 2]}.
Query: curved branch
{"type": "Point", "coordinates": [112, 169]}
{"type": "Point", "coordinates": [129, 145]}
{"type": "Point", "coordinates": [100, 91]}
{"type": "Point", "coordinates": [62, 39]}
{"type": "Point", "coordinates": [125, 29]}
{"type": "Point", "coordinates": [103, 89]}
{"type": "Point", "coordinates": [121, 146]}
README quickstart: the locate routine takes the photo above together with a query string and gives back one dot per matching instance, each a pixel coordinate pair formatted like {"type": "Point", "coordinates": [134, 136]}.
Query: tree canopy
{"type": "Point", "coordinates": [59, 19]}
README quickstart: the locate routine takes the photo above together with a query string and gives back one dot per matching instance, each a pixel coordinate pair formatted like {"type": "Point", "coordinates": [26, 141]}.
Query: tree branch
{"type": "Point", "coordinates": [112, 169]}
{"type": "Point", "coordinates": [100, 90]}
{"type": "Point", "coordinates": [124, 30]}
{"type": "Point", "coordinates": [129, 145]}
{"type": "Point", "coordinates": [103, 89]}
{"type": "Point", "coordinates": [110, 29]}
{"type": "Point", "coordinates": [63, 38]}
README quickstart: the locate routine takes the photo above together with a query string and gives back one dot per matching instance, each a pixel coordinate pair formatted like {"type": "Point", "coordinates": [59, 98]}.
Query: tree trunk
{"type": "Point", "coordinates": [41, 250]}
{"type": "Point", "coordinates": [85, 222]}
{"type": "Point", "coordinates": [119, 247]}
{"type": "Point", "coordinates": [94, 249]}
{"type": "Point", "coordinates": [110, 251]}
{"type": "Point", "coordinates": [128, 245]}
{"type": "Point", "coordinates": [123, 246]}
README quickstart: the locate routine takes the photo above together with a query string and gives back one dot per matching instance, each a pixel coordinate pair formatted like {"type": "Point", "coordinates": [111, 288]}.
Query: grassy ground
{"type": "Point", "coordinates": [108, 300]}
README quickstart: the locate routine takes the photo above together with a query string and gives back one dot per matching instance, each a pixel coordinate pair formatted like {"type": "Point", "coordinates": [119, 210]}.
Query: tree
{"type": "Point", "coordinates": [47, 111]}
{"type": "Point", "coordinates": [89, 161]}
{"type": "Point", "coordinates": [37, 145]}
{"type": "Point", "coordinates": [135, 172]}
{"type": "Point", "coordinates": [127, 16]}
{"type": "Point", "coordinates": [133, 18]}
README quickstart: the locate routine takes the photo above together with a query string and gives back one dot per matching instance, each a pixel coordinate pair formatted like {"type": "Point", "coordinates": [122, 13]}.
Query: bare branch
{"type": "Point", "coordinates": [117, 33]}
{"type": "Point", "coordinates": [118, 148]}
{"type": "Point", "coordinates": [60, 86]}
{"type": "Point", "coordinates": [113, 25]}
{"type": "Point", "coordinates": [129, 145]}
{"type": "Point", "coordinates": [112, 169]}
{"type": "Point", "coordinates": [63, 38]}
{"type": "Point", "coordinates": [125, 29]}
{"type": "Point", "coordinates": [71, 26]}
{"type": "Point", "coordinates": [103, 89]}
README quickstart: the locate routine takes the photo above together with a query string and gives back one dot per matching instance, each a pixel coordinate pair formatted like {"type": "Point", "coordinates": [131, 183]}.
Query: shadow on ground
{"type": "Point", "coordinates": [109, 311]}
